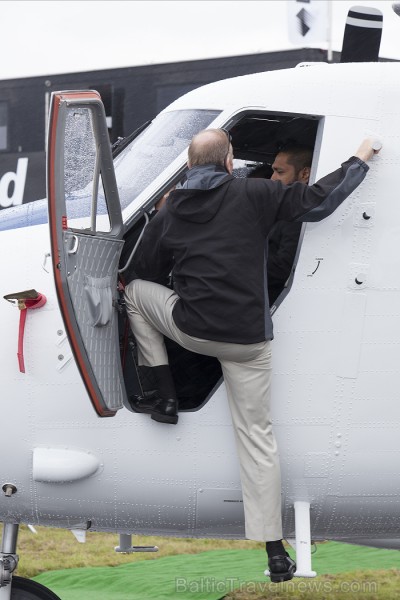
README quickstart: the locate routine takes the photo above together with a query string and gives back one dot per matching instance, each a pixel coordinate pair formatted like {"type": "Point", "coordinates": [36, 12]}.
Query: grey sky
{"type": "Point", "coordinates": [47, 37]}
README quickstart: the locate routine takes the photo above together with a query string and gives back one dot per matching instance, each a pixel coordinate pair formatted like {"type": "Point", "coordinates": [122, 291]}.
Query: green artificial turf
{"type": "Point", "coordinates": [204, 576]}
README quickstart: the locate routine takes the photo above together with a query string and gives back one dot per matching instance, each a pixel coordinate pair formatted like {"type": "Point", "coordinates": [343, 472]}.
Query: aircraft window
{"type": "Point", "coordinates": [156, 148]}
{"type": "Point", "coordinates": [3, 125]}
{"type": "Point", "coordinates": [257, 138]}
{"type": "Point", "coordinates": [84, 193]}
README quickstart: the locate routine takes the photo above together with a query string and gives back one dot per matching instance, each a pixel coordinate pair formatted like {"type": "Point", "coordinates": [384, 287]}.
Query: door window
{"type": "Point", "coordinates": [83, 186]}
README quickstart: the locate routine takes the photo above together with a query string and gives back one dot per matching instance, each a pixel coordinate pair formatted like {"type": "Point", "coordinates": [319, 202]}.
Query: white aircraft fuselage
{"type": "Point", "coordinates": [336, 350]}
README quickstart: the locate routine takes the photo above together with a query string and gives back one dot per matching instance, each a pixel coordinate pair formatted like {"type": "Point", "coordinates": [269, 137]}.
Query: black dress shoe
{"type": "Point", "coordinates": [281, 568]}
{"type": "Point", "coordinates": [163, 411]}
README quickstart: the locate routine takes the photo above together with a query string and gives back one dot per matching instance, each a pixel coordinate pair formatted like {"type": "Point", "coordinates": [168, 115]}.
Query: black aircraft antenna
{"type": "Point", "coordinates": [362, 35]}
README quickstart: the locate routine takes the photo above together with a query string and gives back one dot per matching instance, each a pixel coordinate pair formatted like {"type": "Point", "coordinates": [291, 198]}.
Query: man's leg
{"type": "Point", "coordinates": [149, 307]}
{"type": "Point", "coordinates": [247, 374]}
{"type": "Point", "coordinates": [248, 389]}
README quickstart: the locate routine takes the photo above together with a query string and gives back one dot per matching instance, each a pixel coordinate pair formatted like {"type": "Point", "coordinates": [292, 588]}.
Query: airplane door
{"type": "Point", "coordinates": [86, 240]}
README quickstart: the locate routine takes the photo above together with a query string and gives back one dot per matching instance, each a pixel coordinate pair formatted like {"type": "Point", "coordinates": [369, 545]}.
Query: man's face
{"type": "Point", "coordinates": [282, 171]}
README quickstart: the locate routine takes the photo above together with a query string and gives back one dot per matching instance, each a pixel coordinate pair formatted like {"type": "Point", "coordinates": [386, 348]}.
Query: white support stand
{"type": "Point", "coordinates": [303, 540]}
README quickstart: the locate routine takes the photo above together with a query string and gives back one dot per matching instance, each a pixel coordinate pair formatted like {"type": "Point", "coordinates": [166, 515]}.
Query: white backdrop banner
{"type": "Point", "coordinates": [308, 21]}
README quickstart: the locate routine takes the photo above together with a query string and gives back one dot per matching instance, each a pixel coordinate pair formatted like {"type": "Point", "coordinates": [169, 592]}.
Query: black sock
{"type": "Point", "coordinates": [147, 379]}
{"type": "Point", "coordinates": [275, 548]}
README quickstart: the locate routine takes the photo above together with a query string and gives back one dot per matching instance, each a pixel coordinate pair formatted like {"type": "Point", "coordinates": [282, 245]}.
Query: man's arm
{"type": "Point", "coordinates": [153, 262]}
{"type": "Point", "coordinates": [300, 202]}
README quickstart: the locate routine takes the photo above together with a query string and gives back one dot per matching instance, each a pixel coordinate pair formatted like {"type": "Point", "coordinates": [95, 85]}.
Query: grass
{"type": "Point", "coordinates": [365, 585]}
{"type": "Point", "coordinates": [52, 549]}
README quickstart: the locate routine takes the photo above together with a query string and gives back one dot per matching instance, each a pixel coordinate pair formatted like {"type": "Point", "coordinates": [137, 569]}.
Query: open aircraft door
{"type": "Point", "coordinates": [86, 240]}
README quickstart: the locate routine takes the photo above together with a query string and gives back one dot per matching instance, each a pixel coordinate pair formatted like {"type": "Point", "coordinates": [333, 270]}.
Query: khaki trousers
{"type": "Point", "coordinates": [247, 375]}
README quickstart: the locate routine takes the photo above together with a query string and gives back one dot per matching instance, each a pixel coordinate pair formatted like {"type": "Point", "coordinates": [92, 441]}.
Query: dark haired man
{"type": "Point", "coordinates": [211, 233]}
{"type": "Point", "coordinates": [292, 163]}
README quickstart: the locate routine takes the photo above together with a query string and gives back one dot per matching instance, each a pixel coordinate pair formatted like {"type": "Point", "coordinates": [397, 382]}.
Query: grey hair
{"type": "Point", "coordinates": [209, 147]}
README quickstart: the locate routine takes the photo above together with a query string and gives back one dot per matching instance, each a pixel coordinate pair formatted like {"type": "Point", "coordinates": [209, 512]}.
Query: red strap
{"type": "Point", "coordinates": [29, 303]}
{"type": "Point", "coordinates": [20, 354]}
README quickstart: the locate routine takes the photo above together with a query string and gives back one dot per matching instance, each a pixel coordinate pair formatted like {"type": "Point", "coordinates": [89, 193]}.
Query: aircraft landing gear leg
{"type": "Point", "coordinates": [17, 588]}
{"type": "Point", "coordinates": [303, 540]}
{"type": "Point", "coordinates": [8, 558]}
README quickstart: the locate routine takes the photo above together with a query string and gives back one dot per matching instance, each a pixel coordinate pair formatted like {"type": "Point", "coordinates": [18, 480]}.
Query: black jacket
{"type": "Point", "coordinates": [212, 235]}
{"type": "Point", "coordinates": [282, 245]}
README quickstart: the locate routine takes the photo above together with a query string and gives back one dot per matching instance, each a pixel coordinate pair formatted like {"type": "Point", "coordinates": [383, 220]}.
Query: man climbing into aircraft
{"type": "Point", "coordinates": [292, 163]}
{"type": "Point", "coordinates": [211, 233]}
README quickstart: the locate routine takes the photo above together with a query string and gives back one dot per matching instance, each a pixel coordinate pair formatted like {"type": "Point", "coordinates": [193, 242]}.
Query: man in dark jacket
{"type": "Point", "coordinates": [292, 163]}
{"type": "Point", "coordinates": [211, 233]}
